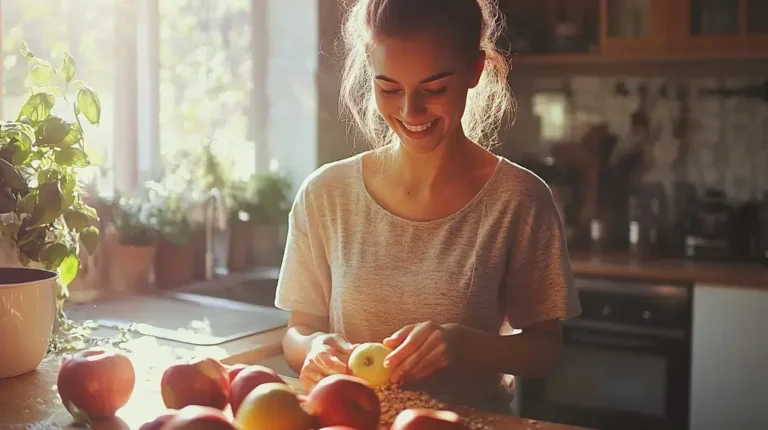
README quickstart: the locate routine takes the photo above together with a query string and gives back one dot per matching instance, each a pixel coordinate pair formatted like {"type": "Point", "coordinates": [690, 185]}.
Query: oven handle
{"type": "Point", "coordinates": [612, 340]}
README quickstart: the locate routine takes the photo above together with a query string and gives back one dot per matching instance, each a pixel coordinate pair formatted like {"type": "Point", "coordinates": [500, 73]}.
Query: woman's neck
{"type": "Point", "coordinates": [421, 173]}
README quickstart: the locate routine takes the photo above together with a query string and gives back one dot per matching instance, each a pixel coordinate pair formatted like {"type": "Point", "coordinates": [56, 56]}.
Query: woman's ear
{"type": "Point", "coordinates": [477, 69]}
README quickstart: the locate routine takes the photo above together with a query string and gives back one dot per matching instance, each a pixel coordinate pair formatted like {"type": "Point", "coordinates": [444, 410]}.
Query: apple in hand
{"type": "Point", "coordinates": [344, 400]}
{"type": "Point", "coordinates": [95, 383]}
{"type": "Point", "coordinates": [272, 406]}
{"type": "Point", "coordinates": [367, 362]}
{"type": "Point", "coordinates": [427, 419]}
{"type": "Point", "coordinates": [200, 381]}
{"type": "Point", "coordinates": [160, 421]}
{"type": "Point", "coordinates": [234, 370]}
{"type": "Point", "coordinates": [247, 380]}
{"type": "Point", "coordinates": [196, 417]}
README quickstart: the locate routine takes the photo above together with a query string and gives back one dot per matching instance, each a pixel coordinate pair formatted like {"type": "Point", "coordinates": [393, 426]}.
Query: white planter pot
{"type": "Point", "coordinates": [27, 314]}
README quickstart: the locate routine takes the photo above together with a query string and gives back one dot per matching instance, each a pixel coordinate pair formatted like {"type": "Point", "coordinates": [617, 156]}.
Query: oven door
{"type": "Point", "coordinates": [608, 379]}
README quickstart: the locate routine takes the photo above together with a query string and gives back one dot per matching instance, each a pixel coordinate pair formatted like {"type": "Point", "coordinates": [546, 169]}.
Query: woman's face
{"type": "Point", "coordinates": [421, 84]}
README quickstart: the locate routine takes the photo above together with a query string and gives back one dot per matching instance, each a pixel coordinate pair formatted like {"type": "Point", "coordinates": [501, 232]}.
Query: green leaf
{"type": "Point", "coordinates": [25, 51]}
{"type": "Point", "coordinates": [76, 220]}
{"type": "Point", "coordinates": [7, 201]}
{"type": "Point", "coordinates": [89, 237]}
{"type": "Point", "coordinates": [49, 204]}
{"type": "Point", "coordinates": [67, 184]}
{"type": "Point", "coordinates": [52, 131]}
{"type": "Point", "coordinates": [78, 84]}
{"type": "Point", "coordinates": [42, 73]}
{"type": "Point", "coordinates": [68, 269]}
{"type": "Point", "coordinates": [23, 133]}
{"type": "Point", "coordinates": [38, 107]}
{"type": "Point", "coordinates": [53, 255]}
{"type": "Point", "coordinates": [47, 175]}
{"type": "Point", "coordinates": [68, 68]}
{"type": "Point", "coordinates": [27, 204]}
{"type": "Point", "coordinates": [91, 212]}
{"type": "Point", "coordinates": [14, 154]}
{"type": "Point", "coordinates": [89, 105]}
{"type": "Point", "coordinates": [72, 157]}
{"type": "Point", "coordinates": [74, 135]}
{"type": "Point", "coordinates": [12, 177]}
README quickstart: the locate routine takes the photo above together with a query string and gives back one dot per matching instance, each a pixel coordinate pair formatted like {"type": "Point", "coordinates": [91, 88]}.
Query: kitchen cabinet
{"type": "Point", "coordinates": [729, 376]}
{"type": "Point", "coordinates": [579, 31]}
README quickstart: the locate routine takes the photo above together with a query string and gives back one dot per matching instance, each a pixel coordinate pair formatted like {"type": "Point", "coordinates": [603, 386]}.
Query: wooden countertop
{"type": "Point", "coordinates": [32, 401]}
{"type": "Point", "coordinates": [726, 274]}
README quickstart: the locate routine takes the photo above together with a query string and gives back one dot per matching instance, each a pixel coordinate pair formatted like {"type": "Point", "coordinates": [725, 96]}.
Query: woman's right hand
{"type": "Point", "coordinates": [328, 355]}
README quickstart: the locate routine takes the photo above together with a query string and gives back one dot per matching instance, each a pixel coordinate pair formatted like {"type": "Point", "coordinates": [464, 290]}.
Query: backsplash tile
{"type": "Point", "coordinates": [709, 140]}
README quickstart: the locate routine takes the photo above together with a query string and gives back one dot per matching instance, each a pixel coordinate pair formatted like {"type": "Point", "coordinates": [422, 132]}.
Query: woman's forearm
{"type": "Point", "coordinates": [296, 344]}
{"type": "Point", "coordinates": [527, 354]}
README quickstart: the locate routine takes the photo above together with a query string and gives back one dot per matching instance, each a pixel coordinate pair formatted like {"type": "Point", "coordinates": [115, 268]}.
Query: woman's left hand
{"type": "Point", "coordinates": [419, 350]}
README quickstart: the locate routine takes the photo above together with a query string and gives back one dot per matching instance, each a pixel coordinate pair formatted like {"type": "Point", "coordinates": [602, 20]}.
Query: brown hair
{"type": "Point", "coordinates": [474, 24]}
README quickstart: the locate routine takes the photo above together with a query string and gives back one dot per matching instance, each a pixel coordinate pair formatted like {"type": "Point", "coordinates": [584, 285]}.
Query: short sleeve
{"type": "Point", "coordinates": [539, 283]}
{"type": "Point", "coordinates": [304, 283]}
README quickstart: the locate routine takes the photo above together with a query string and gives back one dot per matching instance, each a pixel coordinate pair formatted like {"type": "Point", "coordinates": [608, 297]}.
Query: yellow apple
{"type": "Point", "coordinates": [367, 362]}
{"type": "Point", "coordinates": [272, 406]}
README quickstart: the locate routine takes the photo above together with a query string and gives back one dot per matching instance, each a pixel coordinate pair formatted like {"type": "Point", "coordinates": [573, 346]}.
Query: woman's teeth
{"type": "Point", "coordinates": [417, 128]}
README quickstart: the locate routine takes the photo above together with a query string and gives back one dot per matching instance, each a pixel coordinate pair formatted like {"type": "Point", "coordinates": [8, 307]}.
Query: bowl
{"type": "Point", "coordinates": [27, 314]}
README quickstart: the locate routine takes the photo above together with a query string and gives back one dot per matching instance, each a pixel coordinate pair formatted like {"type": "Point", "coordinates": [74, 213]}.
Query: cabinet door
{"type": "Point", "coordinates": [729, 375]}
{"type": "Point", "coordinates": [633, 28]}
{"type": "Point", "coordinates": [719, 28]}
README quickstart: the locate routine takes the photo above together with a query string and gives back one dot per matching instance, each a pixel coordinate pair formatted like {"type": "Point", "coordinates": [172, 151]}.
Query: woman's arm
{"type": "Point", "coordinates": [303, 328]}
{"type": "Point", "coordinates": [531, 353]}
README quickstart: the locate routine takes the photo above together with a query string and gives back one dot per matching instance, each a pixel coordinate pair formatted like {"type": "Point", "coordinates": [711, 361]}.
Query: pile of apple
{"type": "Point", "coordinates": [95, 384]}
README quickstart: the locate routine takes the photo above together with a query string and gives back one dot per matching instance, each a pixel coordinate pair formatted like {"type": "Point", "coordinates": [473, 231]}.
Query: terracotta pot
{"type": "Point", "coordinates": [241, 246]}
{"type": "Point", "coordinates": [28, 309]}
{"type": "Point", "coordinates": [130, 266]}
{"type": "Point", "coordinates": [269, 241]}
{"type": "Point", "coordinates": [174, 265]}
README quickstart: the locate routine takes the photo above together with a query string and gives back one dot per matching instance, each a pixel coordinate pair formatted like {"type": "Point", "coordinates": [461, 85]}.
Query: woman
{"type": "Point", "coordinates": [429, 242]}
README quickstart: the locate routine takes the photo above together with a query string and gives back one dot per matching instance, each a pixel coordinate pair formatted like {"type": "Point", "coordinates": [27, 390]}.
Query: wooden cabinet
{"type": "Point", "coordinates": [718, 28]}
{"type": "Point", "coordinates": [729, 369]}
{"type": "Point", "coordinates": [553, 31]}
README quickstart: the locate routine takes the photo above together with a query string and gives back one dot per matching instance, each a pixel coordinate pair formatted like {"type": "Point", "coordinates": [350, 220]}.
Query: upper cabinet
{"type": "Point", "coordinates": [552, 31]}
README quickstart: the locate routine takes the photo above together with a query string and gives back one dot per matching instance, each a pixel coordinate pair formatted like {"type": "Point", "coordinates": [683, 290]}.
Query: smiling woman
{"type": "Point", "coordinates": [429, 243]}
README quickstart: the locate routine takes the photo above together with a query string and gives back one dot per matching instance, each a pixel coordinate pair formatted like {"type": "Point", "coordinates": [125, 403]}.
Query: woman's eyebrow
{"type": "Point", "coordinates": [432, 78]}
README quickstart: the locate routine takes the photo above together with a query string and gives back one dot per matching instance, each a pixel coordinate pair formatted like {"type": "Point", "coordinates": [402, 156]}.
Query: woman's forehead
{"type": "Point", "coordinates": [410, 60]}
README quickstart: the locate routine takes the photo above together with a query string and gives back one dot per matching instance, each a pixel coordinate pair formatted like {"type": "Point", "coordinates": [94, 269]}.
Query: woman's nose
{"type": "Point", "coordinates": [413, 105]}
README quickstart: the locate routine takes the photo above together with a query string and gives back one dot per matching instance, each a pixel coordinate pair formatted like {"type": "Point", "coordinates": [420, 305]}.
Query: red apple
{"type": "Point", "coordinates": [201, 381]}
{"type": "Point", "coordinates": [234, 370]}
{"type": "Point", "coordinates": [427, 419]}
{"type": "Point", "coordinates": [344, 400]}
{"type": "Point", "coordinates": [196, 417]}
{"type": "Point", "coordinates": [247, 380]}
{"type": "Point", "coordinates": [160, 421]}
{"type": "Point", "coordinates": [95, 383]}
{"type": "Point", "coordinates": [337, 428]}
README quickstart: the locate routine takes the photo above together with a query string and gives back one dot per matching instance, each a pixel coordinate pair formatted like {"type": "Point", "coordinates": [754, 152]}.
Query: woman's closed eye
{"type": "Point", "coordinates": [436, 91]}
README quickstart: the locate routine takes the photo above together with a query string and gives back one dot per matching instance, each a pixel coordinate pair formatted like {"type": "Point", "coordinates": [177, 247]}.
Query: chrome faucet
{"type": "Point", "coordinates": [215, 213]}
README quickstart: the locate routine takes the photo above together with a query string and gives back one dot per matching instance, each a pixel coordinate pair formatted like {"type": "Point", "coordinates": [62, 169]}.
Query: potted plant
{"type": "Point", "coordinates": [175, 258]}
{"type": "Point", "coordinates": [133, 237]}
{"type": "Point", "coordinates": [269, 215]}
{"type": "Point", "coordinates": [45, 222]}
{"type": "Point", "coordinates": [241, 202]}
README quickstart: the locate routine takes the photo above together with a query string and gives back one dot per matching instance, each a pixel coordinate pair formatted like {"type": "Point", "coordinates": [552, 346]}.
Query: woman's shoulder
{"type": "Point", "coordinates": [335, 177]}
{"type": "Point", "coordinates": [519, 184]}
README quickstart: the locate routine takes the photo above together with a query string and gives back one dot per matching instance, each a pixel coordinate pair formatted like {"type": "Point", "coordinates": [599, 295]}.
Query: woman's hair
{"type": "Point", "coordinates": [474, 25]}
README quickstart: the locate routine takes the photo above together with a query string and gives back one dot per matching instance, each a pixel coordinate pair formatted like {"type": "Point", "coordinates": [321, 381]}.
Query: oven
{"type": "Point", "coordinates": [625, 362]}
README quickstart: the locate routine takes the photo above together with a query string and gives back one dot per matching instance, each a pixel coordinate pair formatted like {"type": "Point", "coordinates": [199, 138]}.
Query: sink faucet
{"type": "Point", "coordinates": [215, 213]}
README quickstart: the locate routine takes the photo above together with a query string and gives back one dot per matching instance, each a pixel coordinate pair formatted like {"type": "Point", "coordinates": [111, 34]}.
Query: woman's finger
{"type": "Point", "coordinates": [433, 361]}
{"type": "Point", "coordinates": [331, 363]}
{"type": "Point", "coordinates": [412, 343]}
{"type": "Point", "coordinates": [433, 341]}
{"type": "Point", "coordinates": [310, 376]}
{"type": "Point", "coordinates": [399, 336]}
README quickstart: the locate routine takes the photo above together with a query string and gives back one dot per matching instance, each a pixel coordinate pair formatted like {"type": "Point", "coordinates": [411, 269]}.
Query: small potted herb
{"type": "Point", "coordinates": [133, 238]}
{"type": "Point", "coordinates": [269, 215]}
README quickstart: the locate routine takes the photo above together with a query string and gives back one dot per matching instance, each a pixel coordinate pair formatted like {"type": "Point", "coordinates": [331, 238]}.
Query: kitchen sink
{"type": "Point", "coordinates": [256, 289]}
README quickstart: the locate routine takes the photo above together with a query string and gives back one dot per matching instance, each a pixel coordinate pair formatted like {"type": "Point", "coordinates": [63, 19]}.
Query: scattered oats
{"type": "Point", "coordinates": [394, 400]}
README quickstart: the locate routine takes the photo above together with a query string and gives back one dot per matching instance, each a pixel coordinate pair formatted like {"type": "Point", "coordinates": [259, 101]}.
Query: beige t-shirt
{"type": "Point", "coordinates": [501, 258]}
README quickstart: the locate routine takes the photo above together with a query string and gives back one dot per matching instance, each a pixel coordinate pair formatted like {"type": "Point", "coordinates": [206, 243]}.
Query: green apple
{"type": "Point", "coordinates": [367, 362]}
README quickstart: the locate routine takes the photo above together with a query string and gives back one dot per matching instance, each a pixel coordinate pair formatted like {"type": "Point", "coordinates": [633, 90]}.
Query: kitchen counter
{"type": "Point", "coordinates": [31, 400]}
{"type": "Point", "coordinates": [743, 275]}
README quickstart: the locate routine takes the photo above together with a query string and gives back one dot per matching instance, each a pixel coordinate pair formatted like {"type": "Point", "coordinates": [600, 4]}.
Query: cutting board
{"type": "Point", "coordinates": [187, 318]}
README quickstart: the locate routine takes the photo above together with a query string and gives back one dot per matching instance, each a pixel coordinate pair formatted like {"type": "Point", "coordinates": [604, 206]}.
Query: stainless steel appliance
{"type": "Point", "coordinates": [626, 360]}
